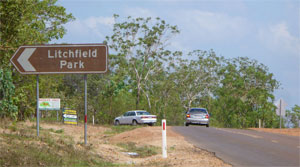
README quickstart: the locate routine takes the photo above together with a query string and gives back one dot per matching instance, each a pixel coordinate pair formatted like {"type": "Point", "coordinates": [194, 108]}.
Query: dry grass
{"type": "Point", "coordinates": [19, 146]}
{"type": "Point", "coordinates": [62, 145]}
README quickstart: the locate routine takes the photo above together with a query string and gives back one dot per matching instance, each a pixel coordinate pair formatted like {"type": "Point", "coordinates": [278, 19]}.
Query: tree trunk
{"type": "Point", "coordinates": [149, 102]}
{"type": "Point", "coordinates": [137, 99]}
{"type": "Point", "coordinates": [110, 109]}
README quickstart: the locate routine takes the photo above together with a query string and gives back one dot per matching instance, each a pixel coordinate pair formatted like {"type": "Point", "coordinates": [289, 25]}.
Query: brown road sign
{"type": "Point", "coordinates": [58, 59]}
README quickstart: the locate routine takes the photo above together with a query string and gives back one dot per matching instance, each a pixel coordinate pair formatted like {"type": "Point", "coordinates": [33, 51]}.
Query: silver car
{"type": "Point", "coordinates": [136, 117]}
{"type": "Point", "coordinates": [197, 116]}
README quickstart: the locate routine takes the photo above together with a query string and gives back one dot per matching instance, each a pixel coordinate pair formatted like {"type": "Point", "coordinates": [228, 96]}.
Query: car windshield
{"type": "Point", "coordinates": [198, 111]}
{"type": "Point", "coordinates": [142, 113]}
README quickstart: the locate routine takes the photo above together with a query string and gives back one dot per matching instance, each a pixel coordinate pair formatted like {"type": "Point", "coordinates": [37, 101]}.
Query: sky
{"type": "Point", "coordinates": [265, 30]}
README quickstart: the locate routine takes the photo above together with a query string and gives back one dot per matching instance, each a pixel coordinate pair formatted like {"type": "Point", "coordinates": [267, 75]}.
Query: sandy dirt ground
{"type": "Point", "coordinates": [290, 132]}
{"type": "Point", "coordinates": [180, 152]}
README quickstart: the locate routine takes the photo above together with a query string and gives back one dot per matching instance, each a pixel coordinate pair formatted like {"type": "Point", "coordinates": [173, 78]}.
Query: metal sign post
{"type": "Point", "coordinates": [37, 106]}
{"type": "Point", "coordinates": [280, 111]}
{"type": "Point", "coordinates": [85, 108]}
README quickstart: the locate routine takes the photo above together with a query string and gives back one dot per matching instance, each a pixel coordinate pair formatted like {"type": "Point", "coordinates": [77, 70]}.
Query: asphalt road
{"type": "Point", "coordinates": [245, 147]}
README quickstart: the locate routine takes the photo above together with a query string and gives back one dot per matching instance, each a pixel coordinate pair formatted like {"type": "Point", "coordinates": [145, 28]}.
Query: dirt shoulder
{"type": "Point", "coordinates": [180, 152]}
{"type": "Point", "coordinates": [289, 132]}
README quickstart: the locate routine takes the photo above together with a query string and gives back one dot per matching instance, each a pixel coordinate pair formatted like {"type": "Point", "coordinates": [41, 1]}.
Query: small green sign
{"type": "Point", "coordinates": [49, 104]}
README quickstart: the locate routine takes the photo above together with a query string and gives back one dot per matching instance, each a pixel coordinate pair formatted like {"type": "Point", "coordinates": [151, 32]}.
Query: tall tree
{"type": "Point", "coordinates": [28, 22]}
{"type": "Point", "coordinates": [142, 43]}
{"type": "Point", "coordinates": [293, 116]}
{"type": "Point", "coordinates": [246, 93]}
{"type": "Point", "coordinates": [197, 78]}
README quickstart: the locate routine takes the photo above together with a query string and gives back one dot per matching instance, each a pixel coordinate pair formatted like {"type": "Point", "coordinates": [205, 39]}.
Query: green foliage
{"type": "Point", "coordinates": [7, 92]}
{"type": "Point", "coordinates": [293, 116]}
{"type": "Point", "coordinates": [29, 22]}
{"type": "Point", "coordinates": [143, 74]}
{"type": "Point", "coordinates": [197, 78]}
{"type": "Point", "coordinates": [24, 23]}
{"type": "Point", "coordinates": [245, 94]}
{"type": "Point", "coordinates": [140, 44]}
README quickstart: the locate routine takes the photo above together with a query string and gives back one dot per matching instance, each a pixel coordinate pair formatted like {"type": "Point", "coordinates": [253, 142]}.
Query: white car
{"type": "Point", "coordinates": [136, 117]}
{"type": "Point", "coordinates": [197, 116]}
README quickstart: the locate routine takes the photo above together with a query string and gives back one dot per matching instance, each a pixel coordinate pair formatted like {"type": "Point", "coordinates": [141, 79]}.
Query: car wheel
{"type": "Point", "coordinates": [151, 124]}
{"type": "Point", "coordinates": [187, 124]}
{"type": "Point", "coordinates": [134, 123]}
{"type": "Point", "coordinates": [207, 125]}
{"type": "Point", "coordinates": [117, 123]}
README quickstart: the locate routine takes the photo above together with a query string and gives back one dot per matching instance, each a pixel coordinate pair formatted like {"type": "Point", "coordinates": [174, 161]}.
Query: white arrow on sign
{"type": "Point", "coordinates": [70, 116]}
{"type": "Point", "coordinates": [23, 59]}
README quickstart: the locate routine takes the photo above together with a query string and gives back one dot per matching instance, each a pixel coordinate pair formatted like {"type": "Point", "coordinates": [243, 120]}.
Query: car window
{"type": "Point", "coordinates": [132, 114]}
{"type": "Point", "coordinates": [142, 113]}
{"type": "Point", "coordinates": [126, 114]}
{"type": "Point", "coordinates": [198, 111]}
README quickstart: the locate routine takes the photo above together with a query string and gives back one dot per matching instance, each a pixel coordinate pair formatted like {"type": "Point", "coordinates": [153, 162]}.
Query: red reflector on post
{"type": "Point", "coordinates": [164, 126]}
{"type": "Point", "coordinates": [85, 119]}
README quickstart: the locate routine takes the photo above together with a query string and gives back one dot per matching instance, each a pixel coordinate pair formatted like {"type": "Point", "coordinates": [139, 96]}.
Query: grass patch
{"type": "Point", "coordinates": [59, 131]}
{"type": "Point", "coordinates": [143, 151]}
{"type": "Point", "coordinates": [119, 129]}
{"type": "Point", "coordinates": [23, 148]}
{"type": "Point", "coordinates": [56, 131]}
{"type": "Point", "coordinates": [13, 126]}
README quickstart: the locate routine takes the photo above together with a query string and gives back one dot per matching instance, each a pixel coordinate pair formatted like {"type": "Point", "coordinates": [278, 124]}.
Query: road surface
{"type": "Point", "coordinates": [245, 147]}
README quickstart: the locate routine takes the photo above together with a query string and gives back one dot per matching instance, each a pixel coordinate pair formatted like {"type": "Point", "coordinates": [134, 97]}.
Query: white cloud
{"type": "Point", "coordinates": [94, 22]}
{"type": "Point", "coordinates": [278, 39]}
{"type": "Point", "coordinates": [202, 29]}
{"type": "Point", "coordinates": [211, 26]}
{"type": "Point", "coordinates": [139, 12]}
{"type": "Point", "coordinates": [283, 59]}
{"type": "Point", "coordinates": [76, 27]}
{"type": "Point", "coordinates": [91, 29]}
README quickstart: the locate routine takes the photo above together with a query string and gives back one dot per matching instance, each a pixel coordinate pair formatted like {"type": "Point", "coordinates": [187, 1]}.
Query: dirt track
{"type": "Point", "coordinates": [180, 152]}
{"type": "Point", "coordinates": [290, 132]}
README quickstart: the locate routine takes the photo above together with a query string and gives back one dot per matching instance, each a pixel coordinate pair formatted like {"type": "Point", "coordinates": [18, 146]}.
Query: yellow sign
{"type": "Point", "coordinates": [70, 117]}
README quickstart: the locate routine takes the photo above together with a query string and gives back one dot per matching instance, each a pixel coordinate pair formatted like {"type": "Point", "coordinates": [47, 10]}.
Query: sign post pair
{"type": "Point", "coordinates": [61, 59]}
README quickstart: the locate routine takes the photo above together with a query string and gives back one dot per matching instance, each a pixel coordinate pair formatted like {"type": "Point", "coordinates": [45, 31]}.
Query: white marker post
{"type": "Point", "coordinates": [164, 138]}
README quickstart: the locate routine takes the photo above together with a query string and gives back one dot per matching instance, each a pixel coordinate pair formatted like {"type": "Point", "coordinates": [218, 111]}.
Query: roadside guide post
{"type": "Point", "coordinates": [61, 59]}
{"type": "Point", "coordinates": [164, 138]}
